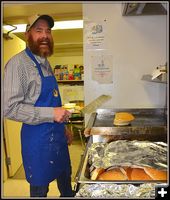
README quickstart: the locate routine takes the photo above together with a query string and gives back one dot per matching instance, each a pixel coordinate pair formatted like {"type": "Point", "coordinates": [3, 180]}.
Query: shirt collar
{"type": "Point", "coordinates": [41, 60]}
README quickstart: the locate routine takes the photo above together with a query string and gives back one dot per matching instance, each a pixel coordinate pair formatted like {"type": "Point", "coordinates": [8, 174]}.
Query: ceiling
{"type": "Point", "coordinates": [65, 41]}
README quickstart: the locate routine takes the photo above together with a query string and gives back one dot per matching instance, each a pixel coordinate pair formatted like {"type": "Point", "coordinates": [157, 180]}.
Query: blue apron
{"type": "Point", "coordinates": [44, 146]}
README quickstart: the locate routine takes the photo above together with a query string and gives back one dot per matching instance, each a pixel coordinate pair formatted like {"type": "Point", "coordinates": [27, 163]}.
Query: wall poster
{"type": "Point", "coordinates": [71, 93]}
{"type": "Point", "coordinates": [95, 35]}
{"type": "Point", "coordinates": [102, 68]}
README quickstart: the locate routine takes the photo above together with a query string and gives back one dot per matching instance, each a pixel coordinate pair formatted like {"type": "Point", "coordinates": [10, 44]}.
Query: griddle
{"type": "Point", "coordinates": [148, 124]}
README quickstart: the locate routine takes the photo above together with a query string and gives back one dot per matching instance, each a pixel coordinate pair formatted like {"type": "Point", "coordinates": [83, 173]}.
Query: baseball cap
{"type": "Point", "coordinates": [33, 19]}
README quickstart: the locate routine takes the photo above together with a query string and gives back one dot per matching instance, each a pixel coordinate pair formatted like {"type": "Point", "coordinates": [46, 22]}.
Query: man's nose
{"type": "Point", "coordinates": [44, 34]}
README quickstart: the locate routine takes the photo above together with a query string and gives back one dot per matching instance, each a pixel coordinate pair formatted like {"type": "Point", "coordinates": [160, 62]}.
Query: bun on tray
{"type": "Point", "coordinates": [96, 172]}
{"type": "Point", "coordinates": [129, 173]}
{"type": "Point", "coordinates": [123, 118]}
{"type": "Point", "coordinates": [113, 174]}
{"type": "Point", "coordinates": [156, 174]}
{"type": "Point", "coordinates": [139, 174]}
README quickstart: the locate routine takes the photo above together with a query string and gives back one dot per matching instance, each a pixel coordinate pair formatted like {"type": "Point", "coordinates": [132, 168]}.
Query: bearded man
{"type": "Point", "coordinates": [31, 96]}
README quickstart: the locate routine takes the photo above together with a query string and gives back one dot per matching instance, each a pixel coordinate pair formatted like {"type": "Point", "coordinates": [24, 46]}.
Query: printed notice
{"type": "Point", "coordinates": [102, 68]}
{"type": "Point", "coordinates": [71, 93]}
{"type": "Point", "coordinates": [95, 35]}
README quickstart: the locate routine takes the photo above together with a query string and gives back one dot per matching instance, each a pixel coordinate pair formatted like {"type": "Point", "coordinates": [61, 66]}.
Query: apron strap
{"type": "Point", "coordinates": [29, 53]}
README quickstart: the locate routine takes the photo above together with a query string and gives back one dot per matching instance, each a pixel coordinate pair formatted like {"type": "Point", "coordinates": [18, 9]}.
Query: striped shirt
{"type": "Point", "coordinates": [22, 87]}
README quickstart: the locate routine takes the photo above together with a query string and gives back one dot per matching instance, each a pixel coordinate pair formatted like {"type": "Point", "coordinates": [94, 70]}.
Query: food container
{"type": "Point", "coordinates": [117, 191]}
{"type": "Point", "coordinates": [85, 168]}
{"type": "Point", "coordinates": [149, 124]}
{"type": "Point", "coordinates": [70, 107]}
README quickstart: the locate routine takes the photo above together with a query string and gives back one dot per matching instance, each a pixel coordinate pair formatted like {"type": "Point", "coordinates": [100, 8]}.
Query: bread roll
{"type": "Point", "coordinates": [96, 172]}
{"type": "Point", "coordinates": [123, 118]}
{"type": "Point", "coordinates": [156, 174]}
{"type": "Point", "coordinates": [139, 174]}
{"type": "Point", "coordinates": [128, 171]}
{"type": "Point", "coordinates": [113, 174]}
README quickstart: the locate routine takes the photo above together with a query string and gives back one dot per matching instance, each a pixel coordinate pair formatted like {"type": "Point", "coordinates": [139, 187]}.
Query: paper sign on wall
{"type": "Point", "coordinates": [95, 37]}
{"type": "Point", "coordinates": [71, 93]}
{"type": "Point", "coordinates": [102, 68]}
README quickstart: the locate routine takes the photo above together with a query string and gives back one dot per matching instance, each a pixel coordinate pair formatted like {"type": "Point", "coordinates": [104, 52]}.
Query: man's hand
{"type": "Point", "coordinates": [69, 135]}
{"type": "Point", "coordinates": [61, 114]}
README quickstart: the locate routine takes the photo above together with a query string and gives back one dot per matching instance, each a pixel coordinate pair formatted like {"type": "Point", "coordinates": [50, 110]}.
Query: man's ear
{"type": "Point", "coordinates": [26, 35]}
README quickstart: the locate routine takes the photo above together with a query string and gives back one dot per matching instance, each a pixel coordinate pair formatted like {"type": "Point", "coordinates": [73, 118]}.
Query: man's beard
{"type": "Point", "coordinates": [35, 47]}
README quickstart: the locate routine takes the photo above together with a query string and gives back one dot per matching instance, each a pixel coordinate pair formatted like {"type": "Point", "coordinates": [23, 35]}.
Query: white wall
{"type": "Point", "coordinates": [138, 45]}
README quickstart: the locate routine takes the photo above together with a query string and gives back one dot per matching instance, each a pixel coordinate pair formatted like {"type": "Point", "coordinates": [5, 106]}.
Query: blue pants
{"type": "Point", "coordinates": [63, 183]}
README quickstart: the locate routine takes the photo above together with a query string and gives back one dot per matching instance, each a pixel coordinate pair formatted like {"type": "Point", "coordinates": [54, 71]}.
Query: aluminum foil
{"type": "Point", "coordinates": [128, 153]}
{"type": "Point", "coordinates": [146, 190]}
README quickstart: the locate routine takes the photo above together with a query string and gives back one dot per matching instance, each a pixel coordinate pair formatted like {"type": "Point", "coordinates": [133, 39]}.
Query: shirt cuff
{"type": "Point", "coordinates": [46, 114]}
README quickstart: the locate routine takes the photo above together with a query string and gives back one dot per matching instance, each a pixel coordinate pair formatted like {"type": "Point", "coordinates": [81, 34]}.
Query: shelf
{"type": "Point", "coordinates": [80, 82]}
{"type": "Point", "coordinates": [148, 77]}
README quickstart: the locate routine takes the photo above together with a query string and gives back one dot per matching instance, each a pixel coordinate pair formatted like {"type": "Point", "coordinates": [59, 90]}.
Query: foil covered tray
{"type": "Point", "coordinates": [123, 191]}
{"type": "Point", "coordinates": [122, 153]}
{"type": "Point", "coordinates": [128, 153]}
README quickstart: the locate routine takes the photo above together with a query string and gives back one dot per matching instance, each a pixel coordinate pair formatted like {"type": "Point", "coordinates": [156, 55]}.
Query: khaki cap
{"type": "Point", "coordinates": [35, 18]}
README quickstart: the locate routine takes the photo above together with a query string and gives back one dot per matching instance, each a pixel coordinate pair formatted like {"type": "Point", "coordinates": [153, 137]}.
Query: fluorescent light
{"type": "Point", "coordinates": [68, 24]}
{"type": "Point", "coordinates": [20, 28]}
{"type": "Point", "coordinates": [72, 24]}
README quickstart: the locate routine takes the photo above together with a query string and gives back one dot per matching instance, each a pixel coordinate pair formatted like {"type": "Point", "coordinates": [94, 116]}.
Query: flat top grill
{"type": "Point", "coordinates": [140, 120]}
{"type": "Point", "coordinates": [152, 122]}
